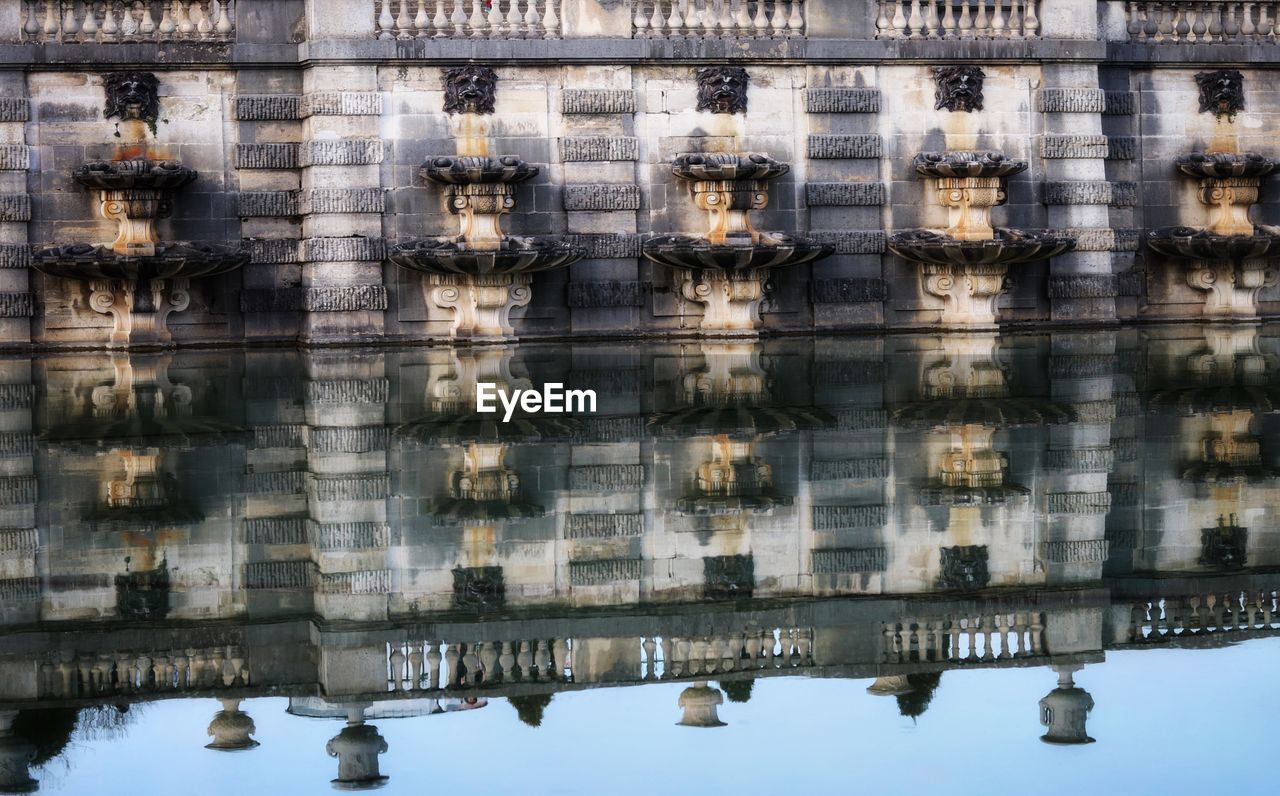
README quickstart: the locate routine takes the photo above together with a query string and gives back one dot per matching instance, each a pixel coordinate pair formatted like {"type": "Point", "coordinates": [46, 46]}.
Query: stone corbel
{"type": "Point", "coordinates": [728, 205]}
{"type": "Point", "coordinates": [1230, 199]}
{"type": "Point", "coordinates": [480, 208]}
{"type": "Point", "coordinates": [731, 301]}
{"type": "Point", "coordinates": [1233, 290]}
{"type": "Point", "coordinates": [969, 201]}
{"type": "Point", "coordinates": [139, 310]}
{"type": "Point", "coordinates": [481, 305]}
{"type": "Point", "coordinates": [969, 292]}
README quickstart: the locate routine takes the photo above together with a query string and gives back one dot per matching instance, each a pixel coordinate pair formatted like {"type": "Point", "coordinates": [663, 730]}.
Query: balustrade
{"type": "Point", "coordinates": [132, 673]}
{"type": "Point", "coordinates": [726, 18]}
{"type": "Point", "coordinates": [958, 19]}
{"type": "Point", "coordinates": [984, 638]}
{"type": "Point", "coordinates": [72, 21]}
{"type": "Point", "coordinates": [467, 19]}
{"type": "Point", "coordinates": [1165, 618]}
{"type": "Point", "coordinates": [1189, 22]}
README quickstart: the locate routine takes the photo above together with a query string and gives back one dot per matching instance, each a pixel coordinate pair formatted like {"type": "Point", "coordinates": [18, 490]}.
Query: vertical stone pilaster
{"type": "Point", "coordinates": [16, 300]}
{"type": "Point", "coordinates": [19, 538]}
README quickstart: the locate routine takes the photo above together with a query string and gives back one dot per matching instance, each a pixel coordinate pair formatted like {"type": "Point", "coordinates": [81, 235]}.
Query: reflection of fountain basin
{"type": "Point", "coordinates": [1188, 243]}
{"type": "Point", "coordinates": [171, 261]}
{"type": "Point", "coordinates": [749, 421]}
{"type": "Point", "coordinates": [514, 256]}
{"type": "Point", "coordinates": [140, 174]}
{"type": "Point", "coordinates": [1009, 246]}
{"type": "Point", "coordinates": [468, 428]}
{"type": "Point", "coordinates": [727, 166]}
{"type": "Point", "coordinates": [726, 505]}
{"type": "Point", "coordinates": [1192, 401]}
{"type": "Point", "coordinates": [458, 511]}
{"type": "Point", "coordinates": [1219, 165]}
{"type": "Point", "coordinates": [965, 163]}
{"type": "Point", "coordinates": [1224, 473]}
{"type": "Point", "coordinates": [472, 170]}
{"type": "Point", "coordinates": [990, 412]}
{"type": "Point", "coordinates": [775, 250]}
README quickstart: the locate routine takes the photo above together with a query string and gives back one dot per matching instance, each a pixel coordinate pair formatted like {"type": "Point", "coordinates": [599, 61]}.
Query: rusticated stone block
{"type": "Point", "coordinates": [606, 477]}
{"type": "Point", "coordinates": [264, 251]}
{"type": "Point", "coordinates": [333, 488]}
{"type": "Point", "coordinates": [276, 530]}
{"type": "Point", "coordinates": [279, 575]}
{"type": "Point", "coordinates": [365, 581]}
{"type": "Point", "coordinates": [599, 148]}
{"type": "Point", "coordinates": [349, 440]}
{"type": "Point", "coordinates": [257, 204]}
{"type": "Point", "coordinates": [356, 298]}
{"type": "Point", "coordinates": [1080, 460]}
{"type": "Point", "coordinates": [1073, 146]}
{"type": "Point", "coordinates": [861, 419]}
{"type": "Point", "coordinates": [844, 194]}
{"type": "Point", "coordinates": [842, 100]}
{"type": "Point", "coordinates": [339, 250]}
{"type": "Point", "coordinates": [1127, 240]}
{"type": "Point", "coordinates": [344, 200]}
{"type": "Point", "coordinates": [1087, 551]}
{"type": "Point", "coordinates": [348, 391]}
{"type": "Point", "coordinates": [267, 156]}
{"type": "Point", "coordinates": [607, 294]}
{"type": "Point", "coordinates": [847, 290]}
{"type": "Point", "coordinates": [342, 103]}
{"type": "Point", "coordinates": [848, 372]}
{"type": "Point", "coordinates": [15, 396]}
{"type": "Point", "coordinates": [1094, 412]}
{"type": "Point", "coordinates": [604, 571]}
{"type": "Point", "coordinates": [17, 490]}
{"type": "Point", "coordinates": [351, 535]}
{"type": "Point", "coordinates": [1122, 538]}
{"type": "Point", "coordinates": [15, 207]}
{"type": "Point", "coordinates": [844, 147]}
{"type": "Point", "coordinates": [1083, 286]}
{"type": "Point", "coordinates": [848, 560]}
{"type": "Point", "coordinates": [1082, 366]}
{"type": "Point", "coordinates": [1126, 494]}
{"type": "Point", "coordinates": [1128, 402]}
{"type": "Point", "coordinates": [345, 152]}
{"type": "Point", "coordinates": [14, 109]}
{"type": "Point", "coordinates": [279, 482]}
{"type": "Point", "coordinates": [268, 107]}
{"type": "Point", "coordinates": [1070, 100]}
{"type": "Point", "coordinates": [18, 540]}
{"type": "Point", "coordinates": [14, 157]}
{"type": "Point", "coordinates": [20, 590]}
{"type": "Point", "coordinates": [1127, 448]}
{"type": "Point", "coordinates": [833, 518]}
{"type": "Point", "coordinates": [17, 305]}
{"type": "Point", "coordinates": [602, 197]}
{"type": "Point", "coordinates": [603, 526]}
{"type": "Point", "coordinates": [1089, 239]}
{"type": "Point", "coordinates": [1130, 282]}
{"type": "Point", "coordinates": [847, 469]}
{"type": "Point", "coordinates": [1121, 103]}
{"type": "Point", "coordinates": [1078, 502]}
{"type": "Point", "coordinates": [15, 255]}
{"type": "Point", "coordinates": [280, 436]}
{"type": "Point", "coordinates": [619, 246]}
{"type": "Point", "coordinates": [1122, 147]}
{"type": "Point", "coordinates": [594, 101]}
{"type": "Point", "coordinates": [853, 242]}
{"type": "Point", "coordinates": [611, 381]}
{"type": "Point", "coordinates": [595, 428]}
{"type": "Point", "coordinates": [15, 443]}
{"type": "Point", "coordinates": [1090, 192]}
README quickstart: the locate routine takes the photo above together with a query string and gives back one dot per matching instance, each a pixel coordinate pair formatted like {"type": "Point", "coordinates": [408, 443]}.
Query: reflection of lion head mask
{"type": "Point", "coordinates": [959, 88]}
{"type": "Point", "coordinates": [722, 89]}
{"type": "Point", "coordinates": [1221, 92]}
{"type": "Point", "coordinates": [132, 95]}
{"type": "Point", "coordinates": [470, 89]}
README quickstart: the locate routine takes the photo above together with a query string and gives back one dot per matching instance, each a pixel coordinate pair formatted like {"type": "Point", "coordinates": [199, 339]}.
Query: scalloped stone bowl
{"type": "Point", "coordinates": [1009, 246]}
{"type": "Point", "coordinates": [775, 250]}
{"type": "Point", "coordinates": [1188, 243]}
{"type": "Point", "coordinates": [516, 255]}
{"type": "Point", "coordinates": [727, 166]}
{"type": "Point", "coordinates": [171, 261]}
{"type": "Point", "coordinates": [137, 174]}
{"type": "Point", "coordinates": [967, 163]}
{"type": "Point", "coordinates": [473, 170]}
{"type": "Point", "coordinates": [1220, 165]}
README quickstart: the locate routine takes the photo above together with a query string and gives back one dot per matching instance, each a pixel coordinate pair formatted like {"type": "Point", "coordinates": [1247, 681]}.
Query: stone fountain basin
{"type": "Point", "coordinates": [142, 173]}
{"type": "Point", "coordinates": [727, 166]}
{"type": "Point", "coordinates": [171, 261]}
{"type": "Point", "coordinates": [1188, 243]}
{"type": "Point", "coordinates": [775, 250]}
{"type": "Point", "coordinates": [966, 163]}
{"type": "Point", "coordinates": [517, 255]}
{"type": "Point", "coordinates": [471, 170]}
{"type": "Point", "coordinates": [1009, 246]}
{"type": "Point", "coordinates": [1225, 164]}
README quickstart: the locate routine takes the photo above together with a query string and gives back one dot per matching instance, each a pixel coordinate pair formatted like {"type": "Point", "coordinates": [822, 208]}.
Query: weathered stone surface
{"type": "Point", "coordinates": [14, 157]}
{"type": "Point", "coordinates": [1095, 412]}
{"type": "Point", "coordinates": [597, 101]}
{"type": "Point", "coordinates": [603, 526]}
{"type": "Point", "coordinates": [333, 488]}
{"type": "Point", "coordinates": [607, 294]}
{"type": "Point", "coordinates": [1087, 551]}
{"type": "Point", "coordinates": [605, 246]}
{"type": "Point", "coordinates": [14, 109]}
{"type": "Point", "coordinates": [852, 242]}
{"type": "Point", "coordinates": [280, 482]}
{"type": "Point", "coordinates": [847, 469]}
{"type": "Point", "coordinates": [16, 490]}
{"type": "Point", "coordinates": [602, 197]}
{"type": "Point", "coordinates": [267, 156]}
{"type": "Point", "coordinates": [374, 581]}
{"type": "Point", "coordinates": [1080, 460]}
{"type": "Point", "coordinates": [340, 200]}
{"type": "Point", "coordinates": [595, 428]}
{"type": "Point", "coordinates": [272, 252]}
{"type": "Point", "coordinates": [610, 381]}
{"type": "Point", "coordinates": [15, 443]}
{"type": "Point", "coordinates": [256, 204]}
{"type": "Point", "coordinates": [20, 589]}
{"type": "Point", "coordinates": [17, 305]}
{"type": "Point", "coordinates": [349, 440]}
{"type": "Point", "coordinates": [604, 571]}
{"type": "Point", "coordinates": [1125, 494]}
{"type": "Point", "coordinates": [1089, 239]}
{"type": "Point", "coordinates": [351, 535]}
{"type": "Point", "coordinates": [268, 107]}
{"type": "Point", "coordinates": [1073, 146]}
{"type": "Point", "coordinates": [1082, 366]}
{"type": "Point", "coordinates": [844, 147]}
{"type": "Point", "coordinates": [1128, 402]}
{"type": "Point", "coordinates": [1121, 103]}
{"type": "Point", "coordinates": [15, 207]}
{"type": "Point", "coordinates": [1131, 282]}
{"type": "Point", "coordinates": [15, 396]}
{"type": "Point", "coordinates": [606, 477]}
{"type": "Point", "coordinates": [276, 530]}
{"type": "Point", "coordinates": [1122, 147]}
{"type": "Point", "coordinates": [848, 372]}
{"type": "Point", "coordinates": [847, 290]}
{"type": "Point", "coordinates": [844, 194]}
{"type": "Point", "coordinates": [832, 518]}
{"type": "Point", "coordinates": [1083, 286]}
{"type": "Point", "coordinates": [15, 255]}
{"type": "Point", "coordinates": [1090, 192]}
{"type": "Point", "coordinates": [342, 103]}
{"type": "Point", "coordinates": [1078, 502]}
{"type": "Point", "coordinates": [861, 419]}
{"type": "Point", "coordinates": [357, 298]}
{"type": "Point", "coordinates": [849, 560]}
{"type": "Point", "coordinates": [348, 391]}
{"type": "Point", "coordinates": [599, 148]}
{"type": "Point", "coordinates": [1070, 100]}
{"type": "Point", "coordinates": [842, 100]}
{"type": "Point", "coordinates": [1126, 448]}
{"type": "Point", "coordinates": [338, 250]}
{"type": "Point", "coordinates": [1127, 240]}
{"type": "Point", "coordinates": [280, 436]}
{"type": "Point", "coordinates": [18, 540]}
{"type": "Point", "coordinates": [345, 152]}
{"type": "Point", "coordinates": [279, 575]}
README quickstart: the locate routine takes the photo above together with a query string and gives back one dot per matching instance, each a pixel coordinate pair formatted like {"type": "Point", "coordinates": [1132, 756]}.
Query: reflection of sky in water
{"type": "Point", "coordinates": [1166, 721]}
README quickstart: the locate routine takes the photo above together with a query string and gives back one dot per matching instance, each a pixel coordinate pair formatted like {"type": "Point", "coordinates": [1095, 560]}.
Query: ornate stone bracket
{"type": "Point", "coordinates": [481, 305]}
{"type": "Point", "coordinates": [1232, 290]}
{"type": "Point", "coordinates": [1230, 199]}
{"type": "Point", "coordinates": [969, 201]}
{"type": "Point", "coordinates": [969, 292]}
{"type": "Point", "coordinates": [480, 208]}
{"type": "Point", "coordinates": [140, 310]}
{"type": "Point", "coordinates": [731, 300]}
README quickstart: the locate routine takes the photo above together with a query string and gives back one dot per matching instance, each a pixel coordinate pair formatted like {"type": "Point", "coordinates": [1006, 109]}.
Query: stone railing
{"type": "Point", "coordinates": [1192, 22]}
{"type": "Point", "coordinates": [1163, 619]}
{"type": "Point", "coordinates": [69, 21]}
{"type": "Point", "coordinates": [958, 19]}
{"type": "Point", "coordinates": [965, 639]}
{"type": "Point", "coordinates": [727, 18]}
{"type": "Point", "coordinates": [131, 673]}
{"type": "Point", "coordinates": [467, 19]}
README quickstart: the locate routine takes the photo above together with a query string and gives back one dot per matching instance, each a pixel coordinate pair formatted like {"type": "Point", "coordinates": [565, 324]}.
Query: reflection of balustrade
{"type": "Point", "coordinates": [727, 18]}
{"type": "Point", "coordinates": [1190, 22]}
{"type": "Point", "coordinates": [966, 639]}
{"type": "Point", "coordinates": [957, 19]}
{"type": "Point", "coordinates": [467, 19]}
{"type": "Point", "coordinates": [1164, 618]}
{"type": "Point", "coordinates": [131, 673]}
{"type": "Point", "coordinates": [129, 21]}
{"type": "Point", "coordinates": [752, 650]}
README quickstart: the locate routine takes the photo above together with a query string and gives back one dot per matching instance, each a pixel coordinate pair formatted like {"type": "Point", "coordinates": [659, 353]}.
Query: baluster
{"type": "Point", "coordinates": [675, 22]}
{"type": "Point", "coordinates": [147, 25]}
{"type": "Point", "coordinates": [167, 27]}
{"type": "Point", "coordinates": [795, 21]}
{"type": "Point", "coordinates": [932, 20]}
{"type": "Point", "coordinates": [204, 27]}
{"type": "Point", "coordinates": [507, 662]}
{"type": "Point", "coordinates": [415, 666]}
{"type": "Point", "coordinates": [883, 25]}
{"type": "Point", "coordinates": [476, 22]}
{"type": "Point", "coordinates": [89, 30]}
{"type": "Point", "coordinates": [658, 20]}
{"type": "Point", "coordinates": [696, 19]}
{"type": "Point", "coordinates": [1231, 28]}
{"type": "Point", "coordinates": [459, 20]}
{"type": "Point", "coordinates": [514, 19]}
{"type": "Point", "coordinates": [1265, 601]}
{"type": "Point", "coordinates": [560, 658]}
{"type": "Point", "coordinates": [51, 22]}
{"type": "Point", "coordinates": [551, 21]}
{"type": "Point", "coordinates": [185, 26]}
{"type": "Point", "coordinates": [397, 659]}
{"type": "Point", "coordinates": [640, 22]}
{"type": "Point", "coordinates": [997, 19]}
{"type": "Point", "coordinates": [495, 19]}
{"type": "Point", "coordinates": [1180, 25]}
{"type": "Point", "coordinates": [524, 661]}
{"type": "Point", "coordinates": [760, 22]}
{"type": "Point", "coordinates": [440, 21]}
{"type": "Point", "coordinates": [451, 658]}
{"type": "Point", "coordinates": [422, 20]}
{"type": "Point", "coordinates": [948, 20]}
{"type": "Point", "coordinates": [433, 665]}
{"type": "Point", "coordinates": [741, 17]}
{"type": "Point", "coordinates": [981, 24]}
{"type": "Point", "coordinates": [1037, 627]}
{"type": "Point", "coordinates": [1248, 30]}
{"type": "Point", "coordinates": [1014, 28]}
{"type": "Point", "coordinates": [1215, 21]}
{"type": "Point", "coordinates": [69, 25]}
{"type": "Point", "coordinates": [915, 22]}
{"type": "Point", "coordinates": [966, 22]}
{"type": "Point", "coordinates": [532, 20]}
{"type": "Point", "coordinates": [779, 20]}
{"type": "Point", "coordinates": [542, 659]}
{"type": "Point", "coordinates": [1264, 22]}
{"type": "Point", "coordinates": [1166, 23]}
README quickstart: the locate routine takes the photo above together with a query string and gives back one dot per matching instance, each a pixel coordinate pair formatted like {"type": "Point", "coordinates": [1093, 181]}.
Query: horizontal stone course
{"type": "Point", "coordinates": [1078, 502]}
{"type": "Point", "coordinates": [602, 197]}
{"type": "Point", "coordinates": [280, 436]}
{"type": "Point", "coordinates": [342, 103]}
{"type": "Point", "coordinates": [597, 101]}
{"type": "Point", "coordinates": [1090, 192]}
{"type": "Point", "coordinates": [375, 581]}
{"type": "Point", "coordinates": [17, 305]}
{"type": "Point", "coordinates": [337, 250]}
{"type": "Point", "coordinates": [1073, 146]}
{"type": "Point", "coordinates": [604, 571]}
{"type": "Point", "coordinates": [349, 440]}
{"type": "Point", "coordinates": [844, 147]}
{"type": "Point", "coordinates": [849, 560]}
{"type": "Point", "coordinates": [1086, 551]}
{"type": "Point", "coordinates": [606, 477]}
{"type": "Point", "coordinates": [15, 207]}
{"type": "Point", "coordinates": [344, 152]}
{"type": "Point", "coordinates": [355, 298]}
{"type": "Point", "coordinates": [832, 518]}
{"type": "Point", "coordinates": [265, 251]}
{"type": "Point", "coordinates": [1122, 147]}
{"type": "Point", "coordinates": [603, 526]}
{"type": "Point", "coordinates": [1121, 103]}
{"type": "Point", "coordinates": [1083, 286]}
{"type": "Point", "coordinates": [267, 156]}
{"type": "Point", "coordinates": [845, 194]}
{"type": "Point", "coordinates": [847, 469]}
{"type": "Point", "coordinates": [15, 255]}
{"type": "Point", "coordinates": [608, 246]}
{"type": "Point", "coordinates": [842, 100]}
{"type": "Point", "coordinates": [350, 535]}
{"type": "Point", "coordinates": [335, 488]}
{"type": "Point", "coordinates": [852, 242]}
{"type": "Point", "coordinates": [257, 204]}
{"type": "Point", "coordinates": [344, 200]}
{"type": "Point", "coordinates": [1080, 460]}
{"type": "Point", "coordinates": [599, 148]}
{"type": "Point", "coordinates": [1070, 100]}
{"type": "Point", "coordinates": [15, 109]}
{"type": "Point", "coordinates": [276, 530]}
{"type": "Point", "coordinates": [15, 157]}
{"type": "Point", "coordinates": [348, 391]}
{"type": "Point", "coordinates": [268, 107]}
{"type": "Point", "coordinates": [279, 575]}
